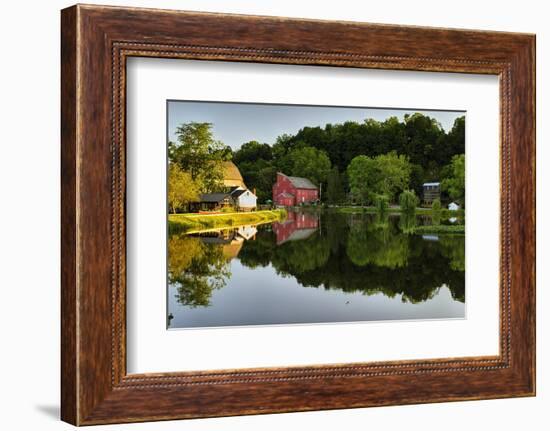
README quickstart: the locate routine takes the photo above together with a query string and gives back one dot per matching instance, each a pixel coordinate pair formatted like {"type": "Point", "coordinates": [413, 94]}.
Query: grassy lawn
{"type": "Point", "coordinates": [445, 213]}
{"type": "Point", "coordinates": [197, 222]}
{"type": "Point", "coordinates": [451, 229]}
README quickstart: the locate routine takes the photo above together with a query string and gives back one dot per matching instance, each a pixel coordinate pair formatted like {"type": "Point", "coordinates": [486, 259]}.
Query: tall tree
{"type": "Point", "coordinates": [197, 152]}
{"type": "Point", "coordinates": [335, 188]}
{"type": "Point", "coordinates": [310, 163]}
{"type": "Point", "coordinates": [386, 175]}
{"type": "Point", "coordinates": [362, 177]}
{"type": "Point", "coordinates": [181, 188]}
{"type": "Point", "coordinates": [455, 183]}
{"type": "Point", "coordinates": [394, 172]}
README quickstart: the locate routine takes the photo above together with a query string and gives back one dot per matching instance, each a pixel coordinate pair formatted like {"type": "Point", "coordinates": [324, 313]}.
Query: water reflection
{"type": "Point", "coordinates": [352, 256]}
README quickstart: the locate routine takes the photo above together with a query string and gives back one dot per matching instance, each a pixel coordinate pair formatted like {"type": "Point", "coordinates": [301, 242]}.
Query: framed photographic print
{"type": "Point", "coordinates": [266, 215]}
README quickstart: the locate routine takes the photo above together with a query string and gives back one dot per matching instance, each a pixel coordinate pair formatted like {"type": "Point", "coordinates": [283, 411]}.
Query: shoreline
{"type": "Point", "coordinates": [188, 222]}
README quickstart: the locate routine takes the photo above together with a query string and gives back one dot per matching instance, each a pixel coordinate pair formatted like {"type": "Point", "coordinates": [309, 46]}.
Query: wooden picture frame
{"type": "Point", "coordinates": [95, 43]}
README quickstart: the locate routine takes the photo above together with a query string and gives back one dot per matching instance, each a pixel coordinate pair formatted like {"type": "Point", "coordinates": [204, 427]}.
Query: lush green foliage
{"type": "Point", "coordinates": [197, 153]}
{"type": "Point", "coordinates": [385, 174]}
{"type": "Point", "coordinates": [455, 182]}
{"type": "Point", "coordinates": [181, 188]}
{"type": "Point", "coordinates": [349, 253]}
{"type": "Point", "coordinates": [408, 201]}
{"type": "Point", "coordinates": [436, 205]}
{"type": "Point", "coordinates": [442, 228]}
{"type": "Point", "coordinates": [418, 137]}
{"type": "Point", "coordinates": [335, 187]}
{"type": "Point", "coordinates": [381, 204]}
{"type": "Point", "coordinates": [310, 163]}
{"type": "Point", "coordinates": [363, 158]}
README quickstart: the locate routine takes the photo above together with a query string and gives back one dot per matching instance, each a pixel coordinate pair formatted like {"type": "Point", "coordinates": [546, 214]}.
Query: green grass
{"type": "Point", "coordinates": [442, 228]}
{"type": "Point", "coordinates": [187, 223]}
{"type": "Point", "coordinates": [445, 213]}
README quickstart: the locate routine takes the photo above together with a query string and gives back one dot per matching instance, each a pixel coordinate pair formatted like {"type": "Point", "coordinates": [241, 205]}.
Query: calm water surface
{"type": "Point", "coordinates": [315, 267]}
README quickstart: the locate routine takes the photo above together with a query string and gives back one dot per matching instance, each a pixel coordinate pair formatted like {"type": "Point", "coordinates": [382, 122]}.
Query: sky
{"type": "Point", "coordinates": [237, 123]}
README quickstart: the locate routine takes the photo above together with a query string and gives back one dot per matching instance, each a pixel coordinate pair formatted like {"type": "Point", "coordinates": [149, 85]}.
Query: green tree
{"type": "Point", "coordinates": [255, 162]}
{"type": "Point", "coordinates": [393, 173]}
{"type": "Point", "coordinates": [251, 152]}
{"type": "Point", "coordinates": [408, 201]}
{"type": "Point", "coordinates": [436, 212]}
{"type": "Point", "coordinates": [335, 188]}
{"type": "Point", "coordinates": [197, 152]}
{"type": "Point", "coordinates": [181, 188]}
{"type": "Point", "coordinates": [362, 176]}
{"type": "Point", "coordinates": [455, 182]}
{"type": "Point", "coordinates": [381, 204]}
{"type": "Point", "coordinates": [310, 163]}
{"type": "Point", "coordinates": [386, 174]}
{"type": "Point", "coordinates": [196, 269]}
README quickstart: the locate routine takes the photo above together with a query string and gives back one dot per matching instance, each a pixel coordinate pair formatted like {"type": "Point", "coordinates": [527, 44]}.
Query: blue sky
{"type": "Point", "coordinates": [237, 123]}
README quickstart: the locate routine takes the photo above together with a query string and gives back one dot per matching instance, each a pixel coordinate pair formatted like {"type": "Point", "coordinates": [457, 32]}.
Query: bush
{"type": "Point", "coordinates": [408, 201]}
{"type": "Point", "coordinates": [436, 205]}
{"type": "Point", "coordinates": [381, 203]}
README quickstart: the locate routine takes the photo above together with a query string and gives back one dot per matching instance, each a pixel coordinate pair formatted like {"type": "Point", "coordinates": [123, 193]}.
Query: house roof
{"type": "Point", "coordinates": [237, 192]}
{"type": "Point", "coordinates": [430, 184]}
{"type": "Point", "coordinates": [301, 183]}
{"type": "Point", "coordinates": [213, 197]}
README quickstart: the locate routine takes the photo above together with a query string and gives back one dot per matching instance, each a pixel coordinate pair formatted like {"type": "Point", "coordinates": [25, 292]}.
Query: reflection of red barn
{"type": "Point", "coordinates": [296, 226]}
{"type": "Point", "coordinates": [290, 191]}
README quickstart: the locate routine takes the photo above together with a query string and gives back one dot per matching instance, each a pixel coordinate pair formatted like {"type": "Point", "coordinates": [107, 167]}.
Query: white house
{"type": "Point", "coordinates": [247, 232]}
{"type": "Point", "coordinates": [453, 206]}
{"type": "Point", "coordinates": [244, 199]}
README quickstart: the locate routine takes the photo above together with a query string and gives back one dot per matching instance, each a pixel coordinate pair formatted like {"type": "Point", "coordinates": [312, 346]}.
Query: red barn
{"type": "Point", "coordinates": [290, 191]}
{"type": "Point", "coordinates": [297, 226]}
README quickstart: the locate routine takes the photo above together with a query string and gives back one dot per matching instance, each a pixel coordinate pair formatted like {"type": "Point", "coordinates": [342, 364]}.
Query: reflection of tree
{"type": "Point", "coordinates": [356, 255]}
{"type": "Point", "coordinates": [407, 222]}
{"type": "Point", "coordinates": [453, 247]}
{"type": "Point", "coordinates": [292, 257]}
{"type": "Point", "coordinates": [379, 246]}
{"type": "Point", "coordinates": [196, 269]}
{"type": "Point", "coordinates": [351, 253]}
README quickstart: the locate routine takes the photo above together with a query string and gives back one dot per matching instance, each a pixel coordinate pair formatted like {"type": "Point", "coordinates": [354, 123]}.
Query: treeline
{"type": "Point", "coordinates": [398, 155]}
{"type": "Point", "coordinates": [351, 162]}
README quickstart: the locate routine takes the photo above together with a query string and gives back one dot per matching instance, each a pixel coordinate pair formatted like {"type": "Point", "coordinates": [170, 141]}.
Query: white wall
{"type": "Point", "coordinates": [29, 239]}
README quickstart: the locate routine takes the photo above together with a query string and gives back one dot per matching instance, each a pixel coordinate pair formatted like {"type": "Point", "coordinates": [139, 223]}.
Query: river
{"type": "Point", "coordinates": [315, 267]}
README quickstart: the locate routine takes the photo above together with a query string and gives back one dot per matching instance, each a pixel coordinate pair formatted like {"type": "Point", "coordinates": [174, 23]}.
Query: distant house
{"type": "Point", "coordinates": [453, 206]}
{"type": "Point", "coordinates": [212, 202]}
{"type": "Point", "coordinates": [291, 191]}
{"type": "Point", "coordinates": [233, 193]}
{"type": "Point", "coordinates": [244, 199]}
{"type": "Point", "coordinates": [431, 192]}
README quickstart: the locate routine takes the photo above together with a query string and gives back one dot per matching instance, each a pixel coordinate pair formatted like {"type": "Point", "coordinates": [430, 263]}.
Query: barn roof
{"type": "Point", "coordinates": [301, 183]}
{"type": "Point", "coordinates": [231, 171]}
{"type": "Point", "coordinates": [213, 197]}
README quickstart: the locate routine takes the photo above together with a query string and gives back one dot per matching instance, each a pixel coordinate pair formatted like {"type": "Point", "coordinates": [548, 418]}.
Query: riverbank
{"type": "Point", "coordinates": [443, 212]}
{"type": "Point", "coordinates": [187, 223]}
{"type": "Point", "coordinates": [441, 229]}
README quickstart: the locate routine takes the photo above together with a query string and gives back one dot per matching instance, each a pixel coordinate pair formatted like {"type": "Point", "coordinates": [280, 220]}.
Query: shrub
{"type": "Point", "coordinates": [381, 203]}
{"type": "Point", "coordinates": [436, 205]}
{"type": "Point", "coordinates": [408, 201]}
